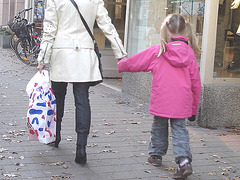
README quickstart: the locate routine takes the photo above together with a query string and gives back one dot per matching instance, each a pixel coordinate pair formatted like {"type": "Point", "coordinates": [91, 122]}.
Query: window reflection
{"type": "Point", "coordinates": [117, 12]}
{"type": "Point", "coordinates": [227, 56]}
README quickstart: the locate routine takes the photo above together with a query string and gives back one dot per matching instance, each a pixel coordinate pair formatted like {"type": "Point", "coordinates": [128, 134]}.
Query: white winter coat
{"type": "Point", "coordinates": [66, 44]}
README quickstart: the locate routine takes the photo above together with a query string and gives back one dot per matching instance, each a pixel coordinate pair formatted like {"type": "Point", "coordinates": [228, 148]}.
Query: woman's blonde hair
{"type": "Point", "coordinates": [175, 25]}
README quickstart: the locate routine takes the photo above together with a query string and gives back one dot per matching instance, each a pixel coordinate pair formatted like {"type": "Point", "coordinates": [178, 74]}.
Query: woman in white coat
{"type": "Point", "coordinates": [69, 50]}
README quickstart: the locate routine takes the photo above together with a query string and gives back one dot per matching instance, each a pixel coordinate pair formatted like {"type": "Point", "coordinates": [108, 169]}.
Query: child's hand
{"type": "Point", "coordinates": [193, 118]}
{"type": "Point", "coordinates": [121, 59]}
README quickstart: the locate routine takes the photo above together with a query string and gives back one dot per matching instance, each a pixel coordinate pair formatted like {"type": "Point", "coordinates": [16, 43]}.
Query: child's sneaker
{"type": "Point", "coordinates": [155, 160]}
{"type": "Point", "coordinates": [183, 171]}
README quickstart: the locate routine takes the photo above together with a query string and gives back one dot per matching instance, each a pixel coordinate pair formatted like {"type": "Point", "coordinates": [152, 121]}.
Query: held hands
{"type": "Point", "coordinates": [121, 58]}
{"type": "Point", "coordinates": [235, 4]}
{"type": "Point", "coordinates": [193, 118]}
{"type": "Point", "coordinates": [41, 67]}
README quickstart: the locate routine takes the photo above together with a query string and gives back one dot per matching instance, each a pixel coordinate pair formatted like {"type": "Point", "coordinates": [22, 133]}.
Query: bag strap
{"type": "Point", "coordinates": [83, 20]}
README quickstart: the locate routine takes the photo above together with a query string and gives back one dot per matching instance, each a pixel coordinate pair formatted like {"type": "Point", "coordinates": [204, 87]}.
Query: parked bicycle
{"type": "Point", "coordinates": [24, 41]}
{"type": "Point", "coordinates": [14, 24]}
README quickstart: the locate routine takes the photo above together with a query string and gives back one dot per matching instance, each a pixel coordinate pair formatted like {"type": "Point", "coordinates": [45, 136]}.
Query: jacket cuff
{"type": "Point", "coordinates": [118, 48]}
{"type": "Point", "coordinates": [45, 53]}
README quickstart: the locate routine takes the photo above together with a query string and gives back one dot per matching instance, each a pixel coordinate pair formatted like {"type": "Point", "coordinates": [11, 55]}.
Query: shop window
{"type": "Point", "coordinates": [146, 17]}
{"type": "Point", "coordinates": [227, 55]}
{"type": "Point", "coordinates": [117, 12]}
{"type": "Point", "coordinates": [38, 15]}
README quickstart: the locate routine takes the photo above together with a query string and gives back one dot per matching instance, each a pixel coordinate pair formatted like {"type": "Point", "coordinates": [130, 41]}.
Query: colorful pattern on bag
{"type": "Point", "coordinates": [41, 115]}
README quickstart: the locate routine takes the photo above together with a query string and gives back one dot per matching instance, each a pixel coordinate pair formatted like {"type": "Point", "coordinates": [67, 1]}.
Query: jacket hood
{"type": "Point", "coordinates": [178, 53]}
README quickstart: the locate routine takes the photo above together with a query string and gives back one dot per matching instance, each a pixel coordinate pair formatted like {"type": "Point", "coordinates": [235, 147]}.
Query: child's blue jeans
{"type": "Point", "coordinates": [180, 138]}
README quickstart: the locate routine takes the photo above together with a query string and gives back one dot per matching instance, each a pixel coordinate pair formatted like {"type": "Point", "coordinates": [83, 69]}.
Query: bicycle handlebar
{"type": "Point", "coordinates": [23, 11]}
{"type": "Point", "coordinates": [28, 9]}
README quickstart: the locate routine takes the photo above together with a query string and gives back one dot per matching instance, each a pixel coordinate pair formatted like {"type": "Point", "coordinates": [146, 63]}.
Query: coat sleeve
{"type": "Point", "coordinates": [196, 86]}
{"type": "Point", "coordinates": [104, 23]}
{"type": "Point", "coordinates": [143, 61]}
{"type": "Point", "coordinates": [49, 32]}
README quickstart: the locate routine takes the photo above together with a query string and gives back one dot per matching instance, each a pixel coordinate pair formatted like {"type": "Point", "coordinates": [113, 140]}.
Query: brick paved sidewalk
{"type": "Point", "coordinates": [118, 142]}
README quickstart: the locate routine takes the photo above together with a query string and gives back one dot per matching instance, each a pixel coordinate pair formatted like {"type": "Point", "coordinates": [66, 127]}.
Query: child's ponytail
{"type": "Point", "coordinates": [192, 39]}
{"type": "Point", "coordinates": [164, 38]}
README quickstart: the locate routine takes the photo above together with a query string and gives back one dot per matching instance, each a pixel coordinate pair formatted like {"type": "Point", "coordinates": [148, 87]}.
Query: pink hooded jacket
{"type": "Point", "coordinates": [176, 85]}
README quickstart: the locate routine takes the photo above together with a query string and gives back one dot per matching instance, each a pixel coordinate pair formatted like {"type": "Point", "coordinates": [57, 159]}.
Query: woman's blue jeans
{"type": "Point", "coordinates": [82, 107]}
{"type": "Point", "coordinates": [180, 138]}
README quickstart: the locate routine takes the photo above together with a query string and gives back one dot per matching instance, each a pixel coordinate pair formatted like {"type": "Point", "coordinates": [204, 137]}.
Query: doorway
{"type": "Point", "coordinates": [117, 12]}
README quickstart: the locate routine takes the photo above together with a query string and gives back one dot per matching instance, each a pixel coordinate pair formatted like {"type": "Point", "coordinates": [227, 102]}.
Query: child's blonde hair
{"type": "Point", "coordinates": [175, 25]}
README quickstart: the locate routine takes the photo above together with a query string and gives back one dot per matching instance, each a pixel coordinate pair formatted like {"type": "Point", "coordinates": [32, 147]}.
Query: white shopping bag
{"type": "Point", "coordinates": [238, 31]}
{"type": "Point", "coordinates": [41, 114]}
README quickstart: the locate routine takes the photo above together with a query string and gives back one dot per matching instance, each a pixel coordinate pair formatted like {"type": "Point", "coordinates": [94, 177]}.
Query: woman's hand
{"type": "Point", "coordinates": [235, 4]}
{"type": "Point", "coordinates": [41, 67]}
{"type": "Point", "coordinates": [124, 57]}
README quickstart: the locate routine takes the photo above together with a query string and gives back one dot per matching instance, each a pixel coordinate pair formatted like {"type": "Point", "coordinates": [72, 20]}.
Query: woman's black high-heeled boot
{"type": "Point", "coordinates": [59, 90]}
{"type": "Point", "coordinates": [81, 156]}
{"type": "Point", "coordinates": [58, 134]}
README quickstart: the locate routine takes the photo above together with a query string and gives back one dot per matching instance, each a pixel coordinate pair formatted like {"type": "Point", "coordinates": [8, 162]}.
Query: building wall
{"type": "Point", "coordinates": [19, 5]}
{"type": "Point", "coordinates": [8, 9]}
{"type": "Point", "coordinates": [219, 105]}
{"type": "Point", "coordinates": [4, 6]}
{"type": "Point", "coordinates": [137, 84]}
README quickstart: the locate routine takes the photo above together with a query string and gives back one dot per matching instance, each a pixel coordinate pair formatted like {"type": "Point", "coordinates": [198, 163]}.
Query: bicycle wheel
{"type": "Point", "coordinates": [12, 41]}
{"type": "Point", "coordinates": [26, 51]}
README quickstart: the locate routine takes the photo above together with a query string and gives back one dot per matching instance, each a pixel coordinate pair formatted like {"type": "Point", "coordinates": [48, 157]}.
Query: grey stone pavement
{"type": "Point", "coordinates": [118, 142]}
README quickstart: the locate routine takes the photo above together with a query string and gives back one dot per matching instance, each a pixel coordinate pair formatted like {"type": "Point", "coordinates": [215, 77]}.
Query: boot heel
{"type": "Point", "coordinates": [81, 156]}
{"type": "Point", "coordinates": [58, 139]}
{"type": "Point", "coordinates": [56, 144]}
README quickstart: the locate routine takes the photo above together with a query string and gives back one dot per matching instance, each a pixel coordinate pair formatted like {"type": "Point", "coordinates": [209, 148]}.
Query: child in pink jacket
{"type": "Point", "coordinates": [175, 90]}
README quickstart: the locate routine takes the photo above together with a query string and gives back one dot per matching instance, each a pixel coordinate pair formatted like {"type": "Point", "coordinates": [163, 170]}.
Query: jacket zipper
{"type": "Point", "coordinates": [45, 52]}
{"type": "Point", "coordinates": [119, 46]}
